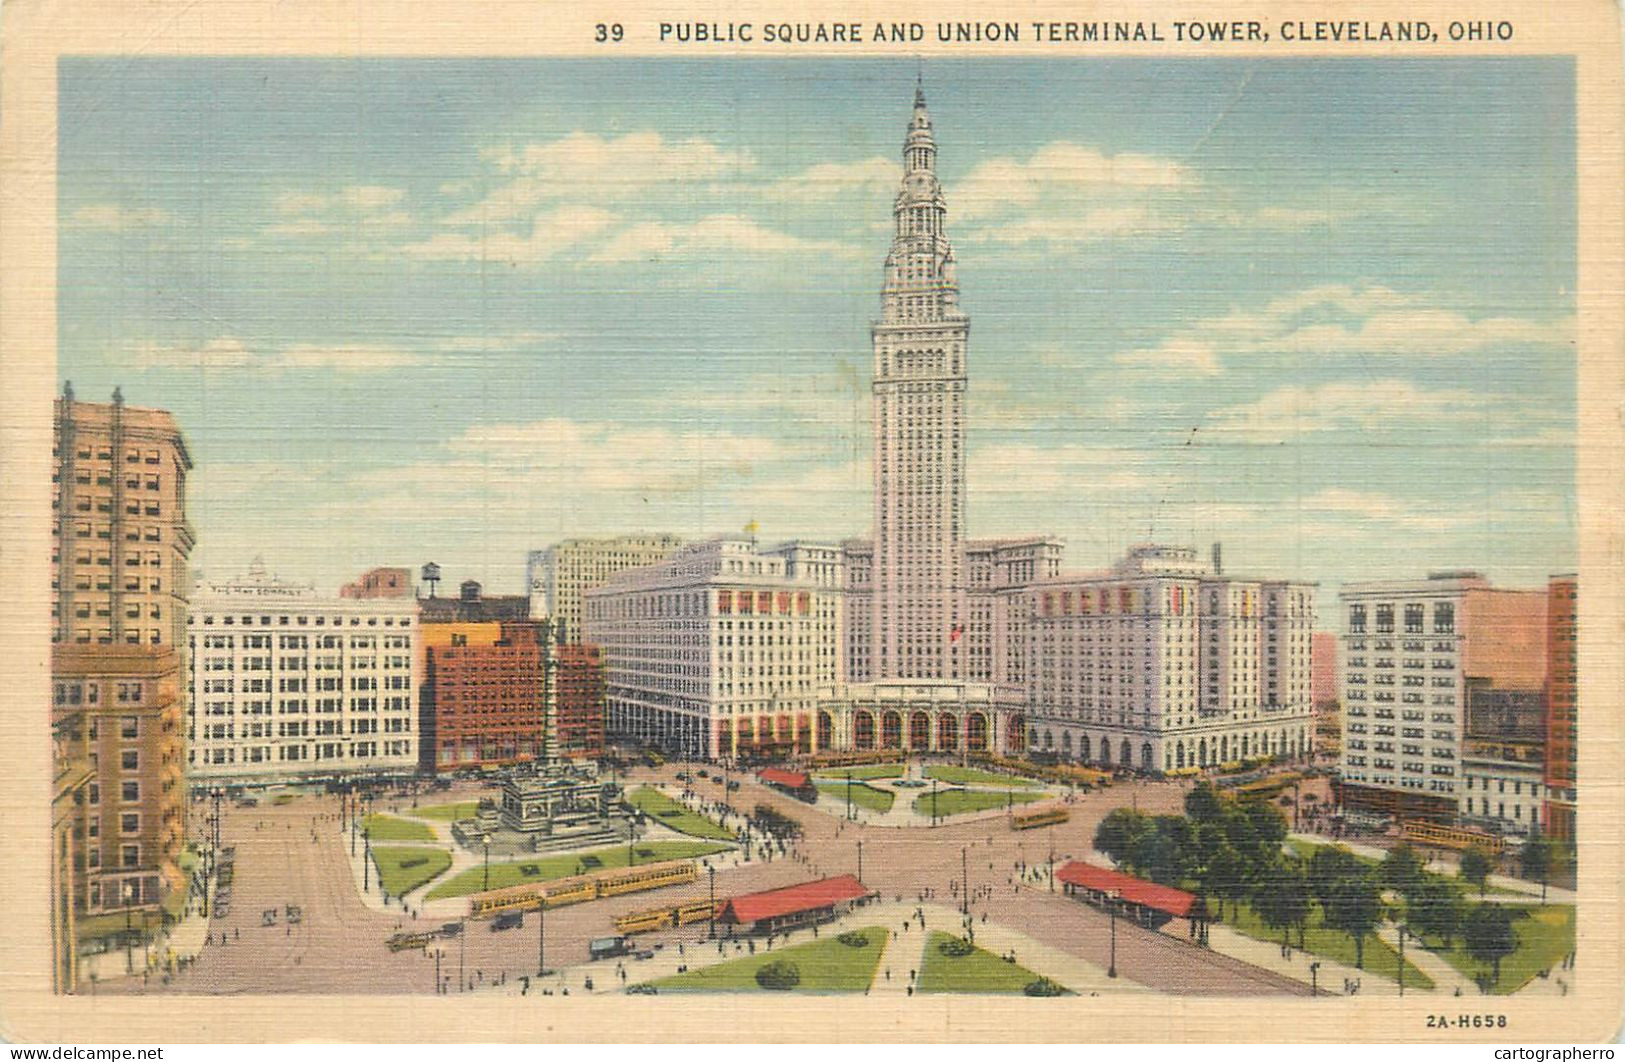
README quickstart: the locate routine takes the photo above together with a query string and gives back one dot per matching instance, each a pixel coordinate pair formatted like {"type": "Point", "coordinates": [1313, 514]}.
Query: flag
{"type": "Point", "coordinates": [953, 635]}
{"type": "Point", "coordinates": [752, 527]}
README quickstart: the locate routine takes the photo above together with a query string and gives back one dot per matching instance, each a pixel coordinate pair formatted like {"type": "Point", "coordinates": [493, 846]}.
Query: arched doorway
{"type": "Point", "coordinates": [1066, 743]}
{"type": "Point", "coordinates": [1083, 748]}
{"type": "Point", "coordinates": [919, 731]}
{"type": "Point", "coordinates": [1015, 736]}
{"type": "Point", "coordinates": [826, 730]}
{"type": "Point", "coordinates": [948, 733]}
{"type": "Point", "coordinates": [1125, 754]}
{"type": "Point", "coordinates": [1105, 752]}
{"type": "Point", "coordinates": [976, 732]}
{"type": "Point", "coordinates": [1179, 756]}
{"type": "Point", "coordinates": [1145, 757]}
{"type": "Point", "coordinates": [1224, 748]}
{"type": "Point", "coordinates": [863, 730]}
{"type": "Point", "coordinates": [891, 730]}
{"type": "Point", "coordinates": [1201, 753]}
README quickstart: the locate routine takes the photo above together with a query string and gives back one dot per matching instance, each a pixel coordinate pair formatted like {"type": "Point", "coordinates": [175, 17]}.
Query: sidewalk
{"type": "Point", "coordinates": [1267, 955]}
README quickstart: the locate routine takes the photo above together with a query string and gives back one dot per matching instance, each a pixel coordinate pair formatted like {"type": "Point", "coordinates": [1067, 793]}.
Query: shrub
{"type": "Point", "coordinates": [1043, 987]}
{"type": "Point", "coordinates": [854, 940]}
{"type": "Point", "coordinates": [779, 976]}
{"type": "Point", "coordinates": [956, 947]}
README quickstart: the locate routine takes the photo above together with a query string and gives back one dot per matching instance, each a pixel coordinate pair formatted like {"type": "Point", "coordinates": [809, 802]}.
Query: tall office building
{"type": "Point", "coordinates": [1409, 651]}
{"type": "Point", "coordinates": [1562, 707]}
{"type": "Point", "coordinates": [919, 432]}
{"type": "Point", "coordinates": [119, 593]}
{"type": "Point", "coordinates": [559, 576]}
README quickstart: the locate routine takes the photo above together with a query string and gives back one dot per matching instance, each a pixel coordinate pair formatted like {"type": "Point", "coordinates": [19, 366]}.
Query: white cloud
{"type": "Point", "coordinates": [1339, 319]}
{"type": "Point", "coordinates": [550, 235]}
{"type": "Point", "coordinates": [708, 237]}
{"type": "Point", "coordinates": [1043, 471]}
{"type": "Point", "coordinates": [298, 227]}
{"type": "Point", "coordinates": [1061, 170]}
{"type": "Point", "coordinates": [297, 203]}
{"type": "Point", "coordinates": [588, 167]}
{"type": "Point", "coordinates": [1292, 410]}
{"type": "Point", "coordinates": [111, 217]}
{"type": "Point", "coordinates": [828, 181]}
{"type": "Point", "coordinates": [371, 197]}
{"type": "Point", "coordinates": [229, 353]}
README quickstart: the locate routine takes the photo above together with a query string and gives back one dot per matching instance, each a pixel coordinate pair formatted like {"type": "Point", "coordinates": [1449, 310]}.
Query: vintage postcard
{"type": "Point", "coordinates": [811, 522]}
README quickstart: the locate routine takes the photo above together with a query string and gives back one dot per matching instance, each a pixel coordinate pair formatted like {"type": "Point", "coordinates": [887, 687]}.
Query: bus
{"type": "Point", "coordinates": [582, 889]}
{"type": "Point", "coordinates": [656, 918]}
{"type": "Point", "coordinates": [1033, 819]}
{"type": "Point", "coordinates": [653, 758]}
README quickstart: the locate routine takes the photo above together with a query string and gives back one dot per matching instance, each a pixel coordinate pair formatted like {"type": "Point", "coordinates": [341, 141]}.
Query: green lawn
{"type": "Point", "coordinates": [389, 828]}
{"type": "Point", "coordinates": [668, 812]}
{"type": "Point", "coordinates": [1334, 944]}
{"type": "Point", "coordinates": [547, 868]}
{"type": "Point", "coordinates": [864, 796]}
{"type": "Point", "coordinates": [864, 771]}
{"type": "Point", "coordinates": [462, 809]}
{"type": "Point", "coordinates": [1544, 938]}
{"type": "Point", "coordinates": [398, 878]}
{"type": "Point", "coordinates": [976, 776]}
{"type": "Point", "coordinates": [826, 965]}
{"type": "Point", "coordinates": [980, 971]}
{"type": "Point", "coordinates": [963, 801]}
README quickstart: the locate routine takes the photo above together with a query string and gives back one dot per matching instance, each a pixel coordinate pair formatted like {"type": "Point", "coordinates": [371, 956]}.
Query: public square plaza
{"type": "Point", "coordinates": [304, 910]}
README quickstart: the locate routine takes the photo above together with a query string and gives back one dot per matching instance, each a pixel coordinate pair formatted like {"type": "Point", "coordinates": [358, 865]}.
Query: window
{"type": "Point", "coordinates": [1444, 619]}
{"type": "Point", "coordinates": [1356, 619]}
{"type": "Point", "coordinates": [130, 760]}
{"type": "Point", "coordinates": [1385, 619]}
{"type": "Point", "coordinates": [129, 823]}
{"type": "Point", "coordinates": [130, 792]}
{"type": "Point", "coordinates": [130, 856]}
{"type": "Point", "coordinates": [1413, 619]}
{"type": "Point", "coordinates": [129, 727]}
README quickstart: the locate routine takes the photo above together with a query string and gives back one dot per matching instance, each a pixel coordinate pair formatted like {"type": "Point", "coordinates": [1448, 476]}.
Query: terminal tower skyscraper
{"type": "Point", "coordinates": [919, 432]}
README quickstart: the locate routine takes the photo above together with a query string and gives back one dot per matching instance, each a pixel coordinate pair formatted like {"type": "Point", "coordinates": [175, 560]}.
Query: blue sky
{"type": "Point", "coordinates": [411, 310]}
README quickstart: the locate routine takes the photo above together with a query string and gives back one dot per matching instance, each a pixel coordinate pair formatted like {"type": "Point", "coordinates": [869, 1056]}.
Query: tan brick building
{"type": "Point", "coordinates": [120, 585]}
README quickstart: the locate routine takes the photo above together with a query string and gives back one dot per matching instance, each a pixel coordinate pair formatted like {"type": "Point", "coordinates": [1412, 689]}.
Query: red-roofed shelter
{"type": "Point", "coordinates": [810, 903]}
{"type": "Point", "coordinates": [1145, 901]}
{"type": "Point", "coordinates": [795, 783]}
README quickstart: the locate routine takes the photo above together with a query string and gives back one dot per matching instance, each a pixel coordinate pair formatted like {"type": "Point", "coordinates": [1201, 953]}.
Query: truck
{"type": "Point", "coordinates": [608, 948]}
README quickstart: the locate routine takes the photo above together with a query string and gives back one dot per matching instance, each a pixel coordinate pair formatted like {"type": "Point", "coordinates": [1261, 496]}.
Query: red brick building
{"type": "Point", "coordinates": [1561, 707]}
{"type": "Point", "coordinates": [482, 694]}
{"type": "Point", "coordinates": [581, 694]}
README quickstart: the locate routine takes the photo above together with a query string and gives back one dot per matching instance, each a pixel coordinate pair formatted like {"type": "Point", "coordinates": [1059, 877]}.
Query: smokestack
{"type": "Point", "coordinates": [1218, 559]}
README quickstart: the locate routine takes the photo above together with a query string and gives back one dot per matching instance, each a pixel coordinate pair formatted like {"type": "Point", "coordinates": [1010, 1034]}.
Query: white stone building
{"type": "Point", "coordinates": [284, 683]}
{"type": "Point", "coordinates": [1409, 649]}
{"type": "Point", "coordinates": [719, 650]}
{"type": "Point", "coordinates": [1162, 663]}
{"type": "Point", "coordinates": [560, 575]}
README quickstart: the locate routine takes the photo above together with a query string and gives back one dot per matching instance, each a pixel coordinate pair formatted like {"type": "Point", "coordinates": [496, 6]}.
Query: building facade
{"type": "Point", "coordinates": [718, 651]}
{"type": "Point", "coordinates": [1503, 759]}
{"type": "Point", "coordinates": [119, 591]}
{"type": "Point", "coordinates": [1562, 705]}
{"type": "Point", "coordinates": [1409, 649]}
{"type": "Point", "coordinates": [483, 694]}
{"type": "Point", "coordinates": [560, 575]}
{"type": "Point", "coordinates": [285, 683]}
{"type": "Point", "coordinates": [380, 582]}
{"type": "Point", "coordinates": [580, 686]}
{"type": "Point", "coordinates": [919, 389]}
{"type": "Point", "coordinates": [1161, 663]}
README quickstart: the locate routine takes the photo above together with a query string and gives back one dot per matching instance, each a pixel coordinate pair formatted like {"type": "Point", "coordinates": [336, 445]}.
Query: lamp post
{"type": "Point", "coordinates": [1402, 932]}
{"type": "Point", "coordinates": [486, 840]}
{"type": "Point", "coordinates": [1052, 858]}
{"type": "Point", "coordinates": [933, 801]}
{"type": "Point", "coordinates": [438, 990]}
{"type": "Point", "coordinates": [849, 814]}
{"type": "Point", "coordinates": [462, 950]}
{"type": "Point", "coordinates": [366, 863]}
{"type": "Point", "coordinates": [711, 928]}
{"type": "Point", "coordinates": [860, 861]}
{"type": "Point", "coordinates": [129, 940]}
{"type": "Point", "coordinates": [1314, 980]}
{"type": "Point", "coordinates": [1111, 899]}
{"type": "Point", "coordinates": [964, 880]}
{"type": "Point", "coordinates": [541, 938]}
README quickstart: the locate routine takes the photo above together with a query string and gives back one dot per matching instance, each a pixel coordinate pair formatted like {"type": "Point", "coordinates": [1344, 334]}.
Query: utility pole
{"type": "Point", "coordinates": [1111, 970]}
{"type": "Point", "coordinates": [541, 938]}
{"type": "Point", "coordinates": [860, 861]}
{"type": "Point", "coordinates": [964, 881]}
{"type": "Point", "coordinates": [1402, 961]}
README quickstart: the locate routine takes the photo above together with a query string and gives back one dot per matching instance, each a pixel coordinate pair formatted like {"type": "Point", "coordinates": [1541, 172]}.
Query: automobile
{"type": "Point", "coordinates": [451, 929]}
{"type": "Point", "coordinates": [732, 786]}
{"type": "Point", "coordinates": [248, 802]}
{"type": "Point", "coordinates": [646, 954]}
{"type": "Point", "coordinates": [507, 920]}
{"type": "Point", "coordinates": [682, 776]}
{"type": "Point", "coordinates": [642, 990]}
{"type": "Point", "coordinates": [295, 916]}
{"type": "Point", "coordinates": [268, 917]}
{"type": "Point", "coordinates": [221, 910]}
{"type": "Point", "coordinates": [717, 779]}
{"type": "Point", "coordinates": [705, 774]}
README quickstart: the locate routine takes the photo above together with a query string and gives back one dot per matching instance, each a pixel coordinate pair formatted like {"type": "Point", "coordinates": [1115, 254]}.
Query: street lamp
{"type": "Point", "coordinates": [964, 880]}
{"type": "Point", "coordinates": [860, 861]}
{"type": "Point", "coordinates": [711, 929]}
{"type": "Point", "coordinates": [1111, 899]}
{"type": "Point", "coordinates": [486, 840]}
{"type": "Point", "coordinates": [1402, 932]}
{"type": "Point", "coordinates": [1314, 986]}
{"type": "Point", "coordinates": [129, 939]}
{"type": "Point", "coordinates": [366, 862]}
{"type": "Point", "coordinates": [541, 937]}
{"type": "Point", "coordinates": [1052, 858]}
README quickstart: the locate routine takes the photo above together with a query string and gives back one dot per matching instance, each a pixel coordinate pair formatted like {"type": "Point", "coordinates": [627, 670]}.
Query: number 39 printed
{"type": "Point", "coordinates": [612, 33]}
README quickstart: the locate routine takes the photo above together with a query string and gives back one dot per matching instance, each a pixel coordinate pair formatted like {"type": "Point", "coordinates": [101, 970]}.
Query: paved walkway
{"type": "Point", "coordinates": [1447, 980]}
{"type": "Point", "coordinates": [1448, 869]}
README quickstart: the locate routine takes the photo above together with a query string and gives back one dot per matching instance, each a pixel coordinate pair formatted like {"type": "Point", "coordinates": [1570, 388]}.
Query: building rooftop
{"type": "Point", "coordinates": [793, 899]}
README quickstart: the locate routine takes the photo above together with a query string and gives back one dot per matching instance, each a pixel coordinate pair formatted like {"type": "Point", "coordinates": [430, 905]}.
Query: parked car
{"type": "Point", "coordinates": [508, 920]}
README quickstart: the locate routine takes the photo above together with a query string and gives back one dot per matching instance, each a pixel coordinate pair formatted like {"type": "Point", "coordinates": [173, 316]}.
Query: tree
{"type": "Point", "coordinates": [1328, 867]}
{"type": "Point", "coordinates": [1225, 875]}
{"type": "Point", "coordinates": [1119, 834]}
{"type": "Point", "coordinates": [1165, 850]}
{"type": "Point", "coordinates": [1475, 868]}
{"type": "Point", "coordinates": [1489, 935]}
{"type": "Point", "coordinates": [1434, 907]}
{"type": "Point", "coordinates": [1281, 897]}
{"type": "Point", "coordinates": [1202, 804]}
{"type": "Point", "coordinates": [1401, 869]}
{"type": "Point", "coordinates": [1538, 856]}
{"type": "Point", "coordinates": [1265, 829]}
{"type": "Point", "coordinates": [1355, 907]}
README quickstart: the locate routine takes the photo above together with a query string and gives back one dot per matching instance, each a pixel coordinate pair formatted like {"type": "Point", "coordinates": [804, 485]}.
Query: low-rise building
{"type": "Point", "coordinates": [580, 686]}
{"type": "Point", "coordinates": [483, 694]}
{"type": "Point", "coordinates": [286, 683]}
